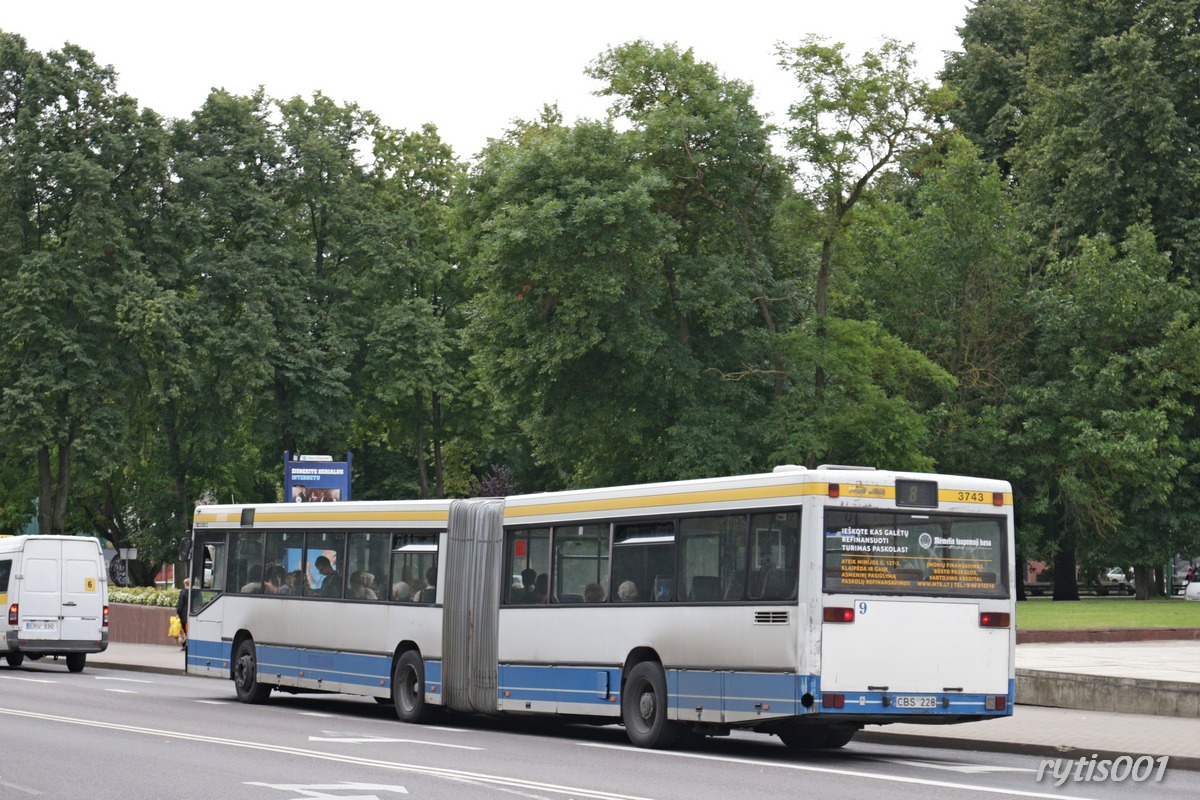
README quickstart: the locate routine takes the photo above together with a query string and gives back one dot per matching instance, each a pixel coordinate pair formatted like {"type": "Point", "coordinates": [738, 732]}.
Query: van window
{"type": "Point", "coordinates": [41, 575]}
{"type": "Point", "coordinates": [5, 571]}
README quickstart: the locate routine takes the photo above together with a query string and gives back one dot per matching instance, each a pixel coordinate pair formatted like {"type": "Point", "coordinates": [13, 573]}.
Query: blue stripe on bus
{"type": "Point", "coordinates": [960, 703]}
{"type": "Point", "coordinates": [349, 669]}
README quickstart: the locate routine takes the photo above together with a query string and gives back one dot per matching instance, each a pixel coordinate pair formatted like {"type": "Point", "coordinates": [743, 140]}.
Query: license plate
{"type": "Point", "coordinates": [913, 701]}
{"type": "Point", "coordinates": [41, 625]}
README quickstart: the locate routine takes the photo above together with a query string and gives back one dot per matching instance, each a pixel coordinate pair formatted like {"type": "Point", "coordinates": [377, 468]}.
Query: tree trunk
{"type": "Point", "coordinates": [1066, 586]}
{"type": "Point", "coordinates": [422, 469]}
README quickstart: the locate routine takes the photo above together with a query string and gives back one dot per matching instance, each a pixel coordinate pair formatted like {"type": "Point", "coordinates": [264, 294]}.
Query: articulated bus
{"type": "Point", "coordinates": [800, 603]}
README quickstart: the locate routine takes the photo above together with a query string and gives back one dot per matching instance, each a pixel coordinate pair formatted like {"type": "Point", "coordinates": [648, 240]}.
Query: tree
{"type": "Point", "coordinates": [853, 121]}
{"type": "Point", "coordinates": [1112, 134]}
{"type": "Point", "coordinates": [1106, 425]}
{"type": "Point", "coordinates": [989, 78]}
{"type": "Point", "coordinates": [84, 175]}
{"type": "Point", "coordinates": [567, 317]}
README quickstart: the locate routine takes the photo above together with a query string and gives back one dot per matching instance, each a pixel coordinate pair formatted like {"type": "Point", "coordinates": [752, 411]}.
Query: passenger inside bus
{"type": "Point", "coordinates": [593, 593]}
{"type": "Point", "coordinates": [627, 592]}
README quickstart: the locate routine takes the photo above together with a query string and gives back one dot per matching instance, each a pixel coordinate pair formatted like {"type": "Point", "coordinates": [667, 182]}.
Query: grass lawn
{"type": "Point", "coordinates": [1107, 612]}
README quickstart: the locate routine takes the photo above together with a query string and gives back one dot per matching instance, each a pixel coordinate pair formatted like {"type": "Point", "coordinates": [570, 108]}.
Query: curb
{"type": "Point", "coordinates": [1186, 763]}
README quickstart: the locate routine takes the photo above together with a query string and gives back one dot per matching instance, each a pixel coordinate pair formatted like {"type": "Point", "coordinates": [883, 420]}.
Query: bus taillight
{"type": "Point", "coordinates": [995, 702]}
{"type": "Point", "coordinates": [12, 614]}
{"type": "Point", "coordinates": [833, 701]}
{"type": "Point", "coordinates": [993, 619]}
{"type": "Point", "coordinates": [839, 614]}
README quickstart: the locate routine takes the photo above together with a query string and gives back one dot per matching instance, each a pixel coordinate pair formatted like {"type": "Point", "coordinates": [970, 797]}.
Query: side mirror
{"type": "Point", "coordinates": [185, 549]}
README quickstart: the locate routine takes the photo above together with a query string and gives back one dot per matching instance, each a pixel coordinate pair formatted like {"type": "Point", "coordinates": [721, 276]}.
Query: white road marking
{"type": "Point", "coordinates": [318, 790]}
{"type": "Point", "coordinates": [27, 680]}
{"type": "Point", "coordinates": [498, 781]}
{"type": "Point", "coordinates": [828, 771]}
{"type": "Point", "coordinates": [125, 680]}
{"type": "Point", "coordinates": [214, 702]}
{"type": "Point", "coordinates": [313, 714]}
{"type": "Point", "coordinates": [970, 769]}
{"type": "Point", "coordinates": [121, 691]}
{"type": "Point", "coordinates": [384, 740]}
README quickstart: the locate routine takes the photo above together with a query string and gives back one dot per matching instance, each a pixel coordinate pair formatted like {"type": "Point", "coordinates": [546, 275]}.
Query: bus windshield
{"type": "Point", "coordinates": [877, 552]}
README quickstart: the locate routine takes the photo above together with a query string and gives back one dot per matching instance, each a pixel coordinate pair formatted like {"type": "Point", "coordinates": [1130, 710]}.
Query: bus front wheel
{"type": "Point", "coordinates": [644, 708]}
{"type": "Point", "coordinates": [408, 689]}
{"type": "Point", "coordinates": [245, 675]}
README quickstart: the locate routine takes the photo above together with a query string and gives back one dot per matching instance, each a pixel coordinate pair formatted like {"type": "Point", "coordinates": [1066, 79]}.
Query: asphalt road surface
{"type": "Point", "coordinates": [105, 734]}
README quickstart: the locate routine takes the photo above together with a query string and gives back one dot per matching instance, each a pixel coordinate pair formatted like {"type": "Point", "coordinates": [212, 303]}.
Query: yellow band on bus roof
{"type": "Point", "coordinates": [733, 495]}
{"type": "Point", "coordinates": [263, 515]}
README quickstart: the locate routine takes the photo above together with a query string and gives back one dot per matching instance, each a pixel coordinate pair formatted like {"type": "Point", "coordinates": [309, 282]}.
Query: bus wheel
{"type": "Point", "coordinates": [813, 737]}
{"type": "Point", "coordinates": [76, 662]}
{"type": "Point", "coordinates": [644, 708]}
{"type": "Point", "coordinates": [245, 675]}
{"type": "Point", "coordinates": [15, 659]}
{"type": "Point", "coordinates": [408, 689]}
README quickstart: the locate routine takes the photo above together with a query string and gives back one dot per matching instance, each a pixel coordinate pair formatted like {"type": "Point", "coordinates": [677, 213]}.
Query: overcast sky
{"type": "Point", "coordinates": [469, 67]}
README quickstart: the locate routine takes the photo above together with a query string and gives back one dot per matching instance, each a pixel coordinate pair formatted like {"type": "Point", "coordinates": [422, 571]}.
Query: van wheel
{"type": "Point", "coordinates": [14, 659]}
{"type": "Point", "coordinates": [245, 675]}
{"type": "Point", "coordinates": [644, 708]}
{"type": "Point", "coordinates": [408, 689]}
{"type": "Point", "coordinates": [75, 661]}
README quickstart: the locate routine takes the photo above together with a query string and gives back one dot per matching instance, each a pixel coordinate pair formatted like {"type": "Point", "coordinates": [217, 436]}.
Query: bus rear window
{"type": "Point", "coordinates": [872, 552]}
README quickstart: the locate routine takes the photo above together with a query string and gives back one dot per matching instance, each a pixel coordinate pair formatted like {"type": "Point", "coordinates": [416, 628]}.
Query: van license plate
{"type": "Point", "coordinates": [910, 701]}
{"type": "Point", "coordinates": [41, 625]}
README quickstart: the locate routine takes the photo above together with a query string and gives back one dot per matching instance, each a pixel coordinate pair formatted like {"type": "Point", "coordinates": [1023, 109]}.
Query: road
{"type": "Point", "coordinates": [138, 736]}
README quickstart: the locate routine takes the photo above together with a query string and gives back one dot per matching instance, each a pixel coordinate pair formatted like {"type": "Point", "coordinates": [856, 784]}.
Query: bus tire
{"type": "Point", "coordinates": [408, 689]}
{"type": "Point", "coordinates": [245, 675]}
{"type": "Point", "coordinates": [14, 659]}
{"type": "Point", "coordinates": [644, 708]}
{"type": "Point", "coordinates": [76, 662]}
{"type": "Point", "coordinates": [812, 737]}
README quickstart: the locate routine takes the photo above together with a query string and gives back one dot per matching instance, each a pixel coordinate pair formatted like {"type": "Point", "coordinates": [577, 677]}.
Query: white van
{"type": "Point", "coordinates": [55, 591]}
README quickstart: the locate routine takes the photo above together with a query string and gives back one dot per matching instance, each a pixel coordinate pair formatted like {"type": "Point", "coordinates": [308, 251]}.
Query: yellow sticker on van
{"type": "Point", "coordinates": [89, 584]}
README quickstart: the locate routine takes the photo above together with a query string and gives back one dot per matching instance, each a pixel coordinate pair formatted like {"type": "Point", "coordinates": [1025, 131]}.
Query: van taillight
{"type": "Point", "coordinates": [838, 614]}
{"type": "Point", "coordinates": [106, 616]}
{"type": "Point", "coordinates": [993, 619]}
{"type": "Point", "coordinates": [12, 614]}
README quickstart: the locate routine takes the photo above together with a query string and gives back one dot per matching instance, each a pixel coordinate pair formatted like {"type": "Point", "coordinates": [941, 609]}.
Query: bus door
{"type": "Point", "coordinates": [915, 603]}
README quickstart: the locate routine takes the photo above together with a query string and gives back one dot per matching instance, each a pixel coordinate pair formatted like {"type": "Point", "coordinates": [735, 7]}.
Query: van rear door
{"type": "Point", "coordinates": [62, 597]}
{"type": "Point", "coordinates": [82, 592]}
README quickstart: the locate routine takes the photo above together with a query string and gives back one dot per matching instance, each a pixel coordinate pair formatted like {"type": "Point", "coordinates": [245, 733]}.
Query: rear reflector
{"type": "Point", "coordinates": [833, 701]}
{"type": "Point", "coordinates": [993, 619]}
{"type": "Point", "coordinates": [839, 614]}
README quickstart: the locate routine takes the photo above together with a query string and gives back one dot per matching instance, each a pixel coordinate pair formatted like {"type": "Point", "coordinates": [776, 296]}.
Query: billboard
{"type": "Point", "coordinates": [315, 479]}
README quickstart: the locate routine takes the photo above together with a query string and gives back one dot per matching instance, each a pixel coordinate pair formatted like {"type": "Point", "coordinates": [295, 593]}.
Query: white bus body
{"type": "Point", "coordinates": [804, 603]}
{"type": "Point", "coordinates": [55, 592]}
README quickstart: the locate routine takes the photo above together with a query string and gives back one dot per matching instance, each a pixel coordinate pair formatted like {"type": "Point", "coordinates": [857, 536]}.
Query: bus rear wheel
{"type": "Point", "coordinates": [245, 675]}
{"type": "Point", "coordinates": [408, 689]}
{"type": "Point", "coordinates": [812, 737]}
{"type": "Point", "coordinates": [644, 708]}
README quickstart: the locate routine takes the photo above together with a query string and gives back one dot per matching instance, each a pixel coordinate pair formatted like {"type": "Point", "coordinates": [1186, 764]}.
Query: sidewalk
{"type": "Point", "coordinates": [1170, 669]}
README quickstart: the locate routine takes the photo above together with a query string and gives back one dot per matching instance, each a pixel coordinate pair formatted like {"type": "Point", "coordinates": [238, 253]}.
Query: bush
{"type": "Point", "coordinates": [144, 596]}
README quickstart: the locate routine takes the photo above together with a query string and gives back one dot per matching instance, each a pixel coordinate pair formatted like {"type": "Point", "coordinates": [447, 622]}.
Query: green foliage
{"type": "Point", "coordinates": [144, 596]}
